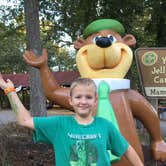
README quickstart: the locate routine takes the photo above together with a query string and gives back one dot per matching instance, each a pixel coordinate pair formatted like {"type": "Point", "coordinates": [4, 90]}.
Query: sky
{"type": "Point", "coordinates": [5, 2]}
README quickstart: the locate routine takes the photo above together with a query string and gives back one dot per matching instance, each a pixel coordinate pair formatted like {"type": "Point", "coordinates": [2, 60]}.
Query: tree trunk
{"type": "Point", "coordinates": [37, 99]}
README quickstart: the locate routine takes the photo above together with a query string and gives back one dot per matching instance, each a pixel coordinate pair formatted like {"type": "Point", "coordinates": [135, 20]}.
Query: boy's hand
{"type": "Point", "coordinates": [5, 84]}
{"type": "Point", "coordinates": [34, 60]}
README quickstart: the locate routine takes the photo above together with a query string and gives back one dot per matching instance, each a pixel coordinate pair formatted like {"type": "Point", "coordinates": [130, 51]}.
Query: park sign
{"type": "Point", "coordinates": [151, 63]}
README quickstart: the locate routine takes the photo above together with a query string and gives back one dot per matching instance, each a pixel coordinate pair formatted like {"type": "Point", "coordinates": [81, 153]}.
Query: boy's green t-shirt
{"type": "Point", "coordinates": [80, 145]}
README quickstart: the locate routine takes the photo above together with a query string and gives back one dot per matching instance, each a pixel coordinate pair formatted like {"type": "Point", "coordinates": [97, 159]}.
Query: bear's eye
{"type": "Point", "coordinates": [95, 39]}
{"type": "Point", "coordinates": [112, 38]}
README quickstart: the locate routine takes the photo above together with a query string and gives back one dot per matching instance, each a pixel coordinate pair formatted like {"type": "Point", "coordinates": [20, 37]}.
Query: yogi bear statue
{"type": "Point", "coordinates": [104, 52]}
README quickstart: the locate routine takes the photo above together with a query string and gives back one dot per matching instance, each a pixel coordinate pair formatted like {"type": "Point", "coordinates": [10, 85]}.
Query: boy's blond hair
{"type": "Point", "coordinates": [83, 81]}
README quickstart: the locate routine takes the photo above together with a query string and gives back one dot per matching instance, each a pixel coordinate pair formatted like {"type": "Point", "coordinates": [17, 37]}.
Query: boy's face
{"type": "Point", "coordinates": [83, 100]}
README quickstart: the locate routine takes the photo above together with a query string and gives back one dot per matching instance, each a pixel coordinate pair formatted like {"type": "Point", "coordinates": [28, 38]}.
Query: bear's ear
{"type": "Point", "coordinates": [80, 42]}
{"type": "Point", "coordinates": [129, 40]}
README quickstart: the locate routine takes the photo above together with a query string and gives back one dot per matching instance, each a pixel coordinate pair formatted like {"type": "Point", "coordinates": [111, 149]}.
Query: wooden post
{"type": "Point", "coordinates": [37, 99]}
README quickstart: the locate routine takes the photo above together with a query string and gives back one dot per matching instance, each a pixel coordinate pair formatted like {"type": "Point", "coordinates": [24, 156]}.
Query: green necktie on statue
{"type": "Point", "coordinates": [105, 109]}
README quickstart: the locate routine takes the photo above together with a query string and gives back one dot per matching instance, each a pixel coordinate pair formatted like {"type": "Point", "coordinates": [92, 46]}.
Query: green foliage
{"type": "Point", "coordinates": [60, 59]}
{"type": "Point", "coordinates": [63, 20]}
{"type": "Point", "coordinates": [11, 47]}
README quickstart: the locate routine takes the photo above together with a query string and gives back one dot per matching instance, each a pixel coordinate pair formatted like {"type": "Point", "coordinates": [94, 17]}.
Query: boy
{"type": "Point", "coordinates": [79, 140]}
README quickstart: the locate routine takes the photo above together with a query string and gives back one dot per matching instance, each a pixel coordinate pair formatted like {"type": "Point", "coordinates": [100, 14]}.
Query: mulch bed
{"type": "Point", "coordinates": [17, 149]}
{"type": "Point", "coordinates": [23, 152]}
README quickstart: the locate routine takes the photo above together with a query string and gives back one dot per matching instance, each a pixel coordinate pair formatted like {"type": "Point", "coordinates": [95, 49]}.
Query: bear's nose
{"type": "Point", "coordinates": [103, 42]}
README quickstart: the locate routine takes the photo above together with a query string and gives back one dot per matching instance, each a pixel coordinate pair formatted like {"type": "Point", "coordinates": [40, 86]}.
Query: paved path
{"type": "Point", "coordinates": [8, 116]}
{"type": "Point", "coordinates": [163, 127]}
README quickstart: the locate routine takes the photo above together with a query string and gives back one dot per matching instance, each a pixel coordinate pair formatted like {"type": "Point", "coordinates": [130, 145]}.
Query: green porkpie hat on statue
{"type": "Point", "coordinates": [103, 24]}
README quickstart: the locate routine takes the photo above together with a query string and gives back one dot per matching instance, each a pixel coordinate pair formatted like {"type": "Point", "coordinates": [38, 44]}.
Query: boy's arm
{"type": "Point", "coordinates": [23, 116]}
{"type": "Point", "coordinates": [132, 156]}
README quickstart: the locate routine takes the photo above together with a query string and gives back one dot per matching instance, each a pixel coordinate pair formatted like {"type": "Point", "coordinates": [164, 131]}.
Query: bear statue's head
{"type": "Point", "coordinates": [104, 51]}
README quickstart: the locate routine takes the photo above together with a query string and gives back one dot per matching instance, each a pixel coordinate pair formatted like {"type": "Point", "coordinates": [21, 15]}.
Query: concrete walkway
{"type": "Point", "coordinates": [8, 116]}
{"type": "Point", "coordinates": [163, 127]}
